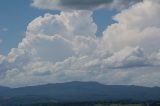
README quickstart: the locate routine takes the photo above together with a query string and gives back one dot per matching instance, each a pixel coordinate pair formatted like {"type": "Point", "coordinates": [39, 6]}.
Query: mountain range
{"type": "Point", "coordinates": [76, 92]}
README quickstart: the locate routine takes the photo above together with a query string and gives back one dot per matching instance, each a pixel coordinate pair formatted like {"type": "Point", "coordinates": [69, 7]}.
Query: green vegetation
{"type": "Point", "coordinates": [96, 104]}
{"type": "Point", "coordinates": [127, 105]}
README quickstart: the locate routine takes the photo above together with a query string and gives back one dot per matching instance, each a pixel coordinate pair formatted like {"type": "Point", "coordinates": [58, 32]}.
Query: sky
{"type": "Point", "coordinates": [114, 42]}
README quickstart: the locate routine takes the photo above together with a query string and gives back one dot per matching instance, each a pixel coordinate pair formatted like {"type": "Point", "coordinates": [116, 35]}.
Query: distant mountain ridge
{"type": "Point", "coordinates": [75, 92]}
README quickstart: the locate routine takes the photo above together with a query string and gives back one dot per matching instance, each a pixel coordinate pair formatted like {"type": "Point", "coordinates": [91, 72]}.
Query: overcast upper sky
{"type": "Point", "coordinates": [50, 41]}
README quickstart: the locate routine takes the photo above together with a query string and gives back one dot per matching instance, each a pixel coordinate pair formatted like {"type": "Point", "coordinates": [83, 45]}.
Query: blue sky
{"type": "Point", "coordinates": [17, 14]}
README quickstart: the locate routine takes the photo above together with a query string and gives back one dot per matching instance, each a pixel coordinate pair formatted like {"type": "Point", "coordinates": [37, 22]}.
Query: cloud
{"type": "Point", "coordinates": [65, 23]}
{"type": "Point", "coordinates": [127, 58]}
{"type": "Point", "coordinates": [3, 29]}
{"type": "Point", "coordinates": [44, 47]}
{"type": "Point", "coordinates": [64, 47]}
{"type": "Point", "coordinates": [155, 58]}
{"type": "Point", "coordinates": [138, 25]}
{"type": "Point", "coordinates": [83, 4]}
{"type": "Point", "coordinates": [1, 58]}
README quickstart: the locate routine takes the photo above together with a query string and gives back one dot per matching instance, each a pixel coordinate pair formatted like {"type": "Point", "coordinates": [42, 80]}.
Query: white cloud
{"type": "Point", "coordinates": [60, 31]}
{"type": "Point", "coordinates": [59, 48]}
{"type": "Point", "coordinates": [44, 46]}
{"type": "Point", "coordinates": [127, 58]}
{"type": "Point", "coordinates": [66, 24]}
{"type": "Point", "coordinates": [137, 26]}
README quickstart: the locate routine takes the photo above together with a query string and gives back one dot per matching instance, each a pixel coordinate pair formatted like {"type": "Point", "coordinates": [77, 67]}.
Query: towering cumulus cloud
{"type": "Point", "coordinates": [64, 47]}
{"type": "Point", "coordinates": [83, 4]}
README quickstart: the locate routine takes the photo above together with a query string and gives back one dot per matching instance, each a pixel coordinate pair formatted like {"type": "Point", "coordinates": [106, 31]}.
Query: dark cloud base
{"type": "Point", "coordinates": [83, 4]}
{"type": "Point", "coordinates": [93, 4]}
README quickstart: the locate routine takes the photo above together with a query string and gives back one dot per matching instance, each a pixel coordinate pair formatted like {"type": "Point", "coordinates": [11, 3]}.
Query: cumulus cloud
{"type": "Point", "coordinates": [127, 58]}
{"type": "Point", "coordinates": [67, 24]}
{"type": "Point", "coordinates": [45, 45]}
{"type": "Point", "coordinates": [138, 25]}
{"type": "Point", "coordinates": [64, 47]}
{"type": "Point", "coordinates": [83, 4]}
